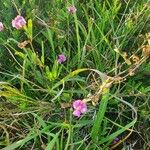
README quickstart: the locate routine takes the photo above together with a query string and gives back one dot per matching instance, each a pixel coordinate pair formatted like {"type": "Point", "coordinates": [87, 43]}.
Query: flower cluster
{"type": "Point", "coordinates": [18, 22]}
{"type": "Point", "coordinates": [72, 9]}
{"type": "Point", "coordinates": [79, 107]}
{"type": "Point", "coordinates": [61, 58]}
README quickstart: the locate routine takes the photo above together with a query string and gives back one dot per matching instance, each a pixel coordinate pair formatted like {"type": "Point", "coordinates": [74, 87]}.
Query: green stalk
{"type": "Point", "coordinates": [77, 36]}
{"type": "Point", "coordinates": [99, 117]}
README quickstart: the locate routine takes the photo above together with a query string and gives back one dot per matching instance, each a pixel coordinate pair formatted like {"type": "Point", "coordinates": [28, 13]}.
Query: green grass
{"type": "Point", "coordinates": [107, 65]}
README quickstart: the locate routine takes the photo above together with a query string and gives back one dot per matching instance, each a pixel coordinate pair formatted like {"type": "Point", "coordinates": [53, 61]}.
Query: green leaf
{"type": "Point", "coordinates": [42, 57]}
{"type": "Point", "coordinates": [99, 117]}
{"type": "Point", "coordinates": [20, 54]}
{"type": "Point", "coordinates": [29, 30]}
{"type": "Point", "coordinates": [20, 142]}
{"type": "Point", "coordinates": [51, 144]}
{"type": "Point", "coordinates": [40, 120]}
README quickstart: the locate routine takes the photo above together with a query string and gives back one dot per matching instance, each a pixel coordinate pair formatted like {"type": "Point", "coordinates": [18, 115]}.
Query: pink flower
{"type": "Point", "coordinates": [79, 107]}
{"type": "Point", "coordinates": [18, 22]}
{"type": "Point", "coordinates": [61, 58]}
{"type": "Point", "coordinates": [115, 140]}
{"type": "Point", "coordinates": [72, 9]}
{"type": "Point", "coordinates": [1, 26]}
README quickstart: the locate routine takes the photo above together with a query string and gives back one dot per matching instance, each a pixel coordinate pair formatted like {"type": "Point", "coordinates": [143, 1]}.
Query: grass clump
{"type": "Point", "coordinates": [74, 75]}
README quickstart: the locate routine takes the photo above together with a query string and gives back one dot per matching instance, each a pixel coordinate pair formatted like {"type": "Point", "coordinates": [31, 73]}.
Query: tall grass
{"type": "Point", "coordinates": [107, 47]}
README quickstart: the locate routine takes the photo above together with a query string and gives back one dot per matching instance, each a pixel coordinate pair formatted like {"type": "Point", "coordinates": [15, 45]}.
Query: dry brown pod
{"type": "Point", "coordinates": [65, 105]}
{"type": "Point", "coordinates": [23, 44]}
{"type": "Point", "coordinates": [146, 50]}
{"type": "Point", "coordinates": [135, 58]}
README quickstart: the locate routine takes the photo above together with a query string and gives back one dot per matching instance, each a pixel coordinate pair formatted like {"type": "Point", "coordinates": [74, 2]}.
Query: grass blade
{"type": "Point", "coordinates": [99, 117]}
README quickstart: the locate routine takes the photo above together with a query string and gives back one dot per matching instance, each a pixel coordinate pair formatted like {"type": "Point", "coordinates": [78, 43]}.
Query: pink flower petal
{"type": "Point", "coordinates": [79, 107]}
{"type": "Point", "coordinates": [76, 104]}
{"type": "Point", "coordinates": [83, 110]}
{"type": "Point", "coordinates": [77, 113]}
{"type": "Point", "coordinates": [18, 22]}
{"type": "Point", "coordinates": [1, 26]}
{"type": "Point", "coordinates": [61, 58]}
{"type": "Point", "coordinates": [72, 9]}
